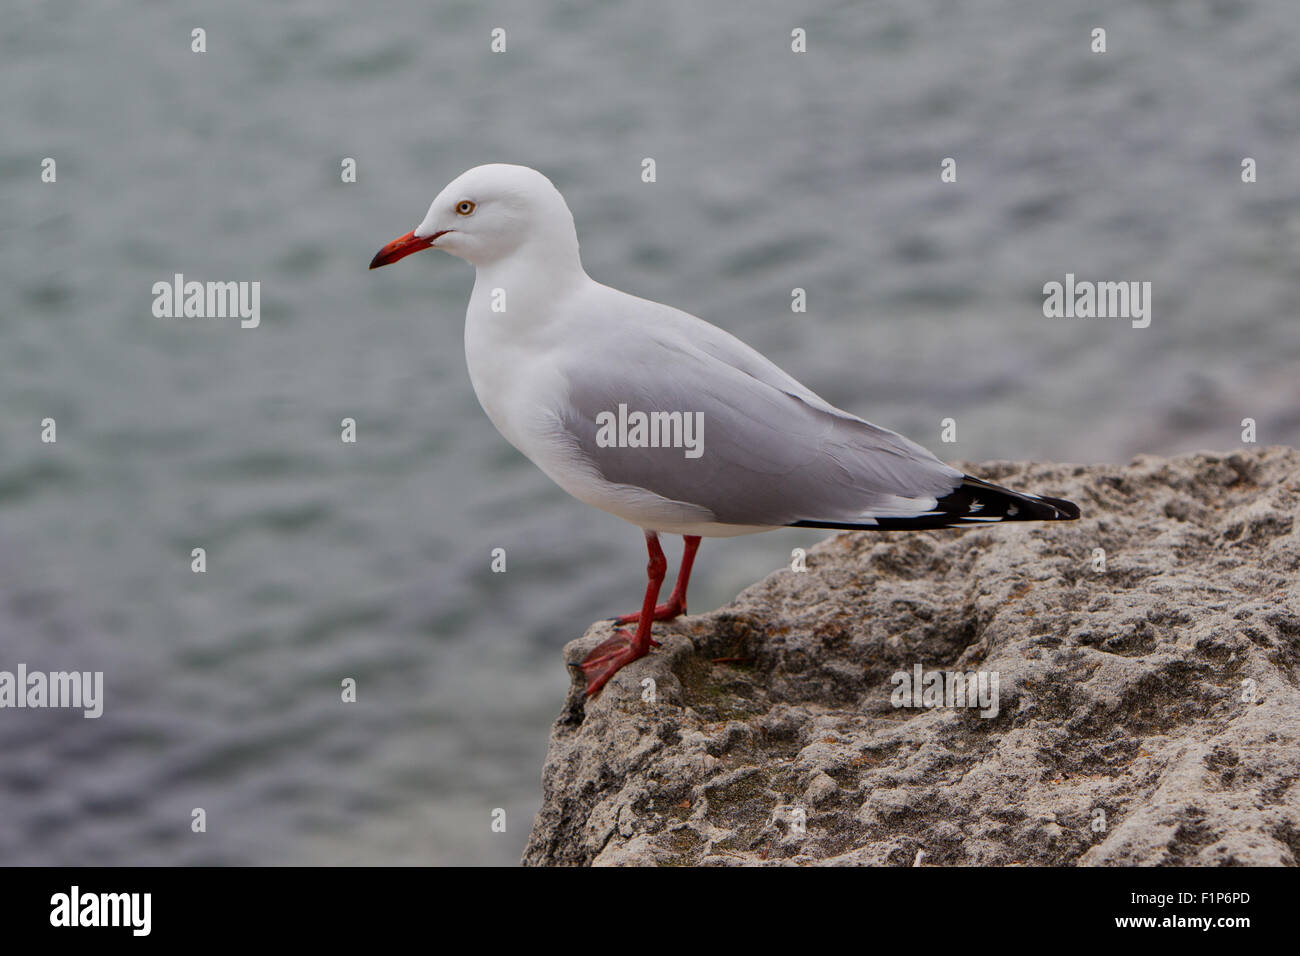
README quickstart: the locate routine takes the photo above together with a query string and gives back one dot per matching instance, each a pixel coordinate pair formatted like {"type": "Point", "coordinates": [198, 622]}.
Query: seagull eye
{"type": "Point", "coordinates": [464, 207]}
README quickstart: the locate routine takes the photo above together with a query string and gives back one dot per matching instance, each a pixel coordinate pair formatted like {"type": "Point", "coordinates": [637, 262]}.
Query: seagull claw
{"type": "Point", "coordinates": [609, 656]}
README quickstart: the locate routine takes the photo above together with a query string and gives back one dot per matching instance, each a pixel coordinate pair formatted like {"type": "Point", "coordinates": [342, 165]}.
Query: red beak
{"type": "Point", "coordinates": [401, 247]}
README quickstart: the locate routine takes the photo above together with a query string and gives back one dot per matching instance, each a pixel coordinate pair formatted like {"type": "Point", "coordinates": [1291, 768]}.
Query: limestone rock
{"type": "Point", "coordinates": [1147, 713]}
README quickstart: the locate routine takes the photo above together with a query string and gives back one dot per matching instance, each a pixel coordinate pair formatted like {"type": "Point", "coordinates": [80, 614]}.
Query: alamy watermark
{"type": "Point", "coordinates": [927, 689]}
{"type": "Point", "coordinates": [1101, 300]}
{"type": "Point", "coordinates": [208, 300]}
{"type": "Point", "coordinates": [624, 429]}
{"type": "Point", "coordinates": [76, 908]}
{"type": "Point", "coordinates": [83, 690]}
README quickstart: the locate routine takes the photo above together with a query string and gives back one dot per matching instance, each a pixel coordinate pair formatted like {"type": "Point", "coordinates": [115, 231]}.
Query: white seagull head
{"type": "Point", "coordinates": [491, 213]}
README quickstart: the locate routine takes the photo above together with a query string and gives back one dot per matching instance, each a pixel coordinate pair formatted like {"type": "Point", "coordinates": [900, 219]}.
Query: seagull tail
{"type": "Point", "coordinates": [974, 502]}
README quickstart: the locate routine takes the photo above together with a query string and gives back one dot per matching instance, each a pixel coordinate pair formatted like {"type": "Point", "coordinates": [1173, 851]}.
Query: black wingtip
{"type": "Point", "coordinates": [975, 495]}
{"type": "Point", "coordinates": [974, 502]}
{"type": "Point", "coordinates": [1069, 510]}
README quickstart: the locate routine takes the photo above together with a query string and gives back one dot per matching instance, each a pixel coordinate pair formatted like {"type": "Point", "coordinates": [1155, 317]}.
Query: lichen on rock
{"type": "Point", "coordinates": [1148, 706]}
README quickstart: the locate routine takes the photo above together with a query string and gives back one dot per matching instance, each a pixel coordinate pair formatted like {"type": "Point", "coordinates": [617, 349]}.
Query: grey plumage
{"type": "Point", "coordinates": [774, 453]}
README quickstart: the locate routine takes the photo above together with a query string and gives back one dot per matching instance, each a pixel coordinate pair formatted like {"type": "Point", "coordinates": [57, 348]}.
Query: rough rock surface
{"type": "Point", "coordinates": [1149, 713]}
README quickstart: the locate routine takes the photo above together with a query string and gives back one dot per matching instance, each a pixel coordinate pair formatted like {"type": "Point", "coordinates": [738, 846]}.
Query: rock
{"type": "Point", "coordinates": [1147, 707]}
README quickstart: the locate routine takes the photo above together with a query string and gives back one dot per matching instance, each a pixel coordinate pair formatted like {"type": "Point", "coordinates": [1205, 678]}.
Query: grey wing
{"type": "Point", "coordinates": [771, 455]}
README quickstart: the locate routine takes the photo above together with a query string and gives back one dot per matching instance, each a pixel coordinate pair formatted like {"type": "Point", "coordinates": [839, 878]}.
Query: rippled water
{"type": "Point", "coordinates": [371, 561]}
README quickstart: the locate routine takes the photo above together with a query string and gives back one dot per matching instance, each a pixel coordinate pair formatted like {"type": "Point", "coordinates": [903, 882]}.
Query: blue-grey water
{"type": "Point", "coordinates": [775, 170]}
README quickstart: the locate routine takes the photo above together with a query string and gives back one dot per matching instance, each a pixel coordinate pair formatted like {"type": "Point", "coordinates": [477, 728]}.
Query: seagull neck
{"type": "Point", "coordinates": [529, 279]}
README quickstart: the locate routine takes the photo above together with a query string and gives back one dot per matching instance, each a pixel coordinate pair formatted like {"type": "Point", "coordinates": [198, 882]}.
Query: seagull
{"type": "Point", "coordinates": [658, 417]}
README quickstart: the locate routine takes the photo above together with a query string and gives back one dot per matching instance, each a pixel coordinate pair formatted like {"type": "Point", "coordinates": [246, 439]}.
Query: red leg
{"type": "Point", "coordinates": [676, 605]}
{"type": "Point", "coordinates": [624, 647]}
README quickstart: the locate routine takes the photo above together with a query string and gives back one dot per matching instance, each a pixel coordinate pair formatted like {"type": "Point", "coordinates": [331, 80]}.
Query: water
{"type": "Point", "coordinates": [371, 560]}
